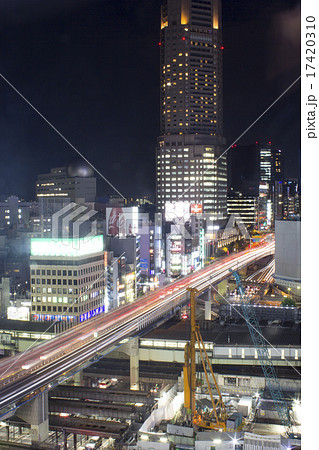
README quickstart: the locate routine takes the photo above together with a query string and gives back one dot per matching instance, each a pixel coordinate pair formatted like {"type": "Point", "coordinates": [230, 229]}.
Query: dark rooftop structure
{"type": "Point", "coordinates": [21, 325]}
{"type": "Point", "coordinates": [234, 333]}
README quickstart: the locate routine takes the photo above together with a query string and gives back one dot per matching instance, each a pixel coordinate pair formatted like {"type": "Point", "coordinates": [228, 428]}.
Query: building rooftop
{"type": "Point", "coordinates": [21, 325]}
{"type": "Point", "coordinates": [66, 247]}
{"type": "Point", "coordinates": [234, 334]}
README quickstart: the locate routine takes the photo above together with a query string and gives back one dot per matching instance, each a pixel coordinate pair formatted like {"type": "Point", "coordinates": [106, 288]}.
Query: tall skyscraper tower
{"type": "Point", "coordinates": [189, 162]}
{"type": "Point", "coordinates": [266, 165]}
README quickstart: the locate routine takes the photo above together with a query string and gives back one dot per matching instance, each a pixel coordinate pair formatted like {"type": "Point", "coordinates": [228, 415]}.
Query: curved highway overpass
{"type": "Point", "coordinates": [23, 375]}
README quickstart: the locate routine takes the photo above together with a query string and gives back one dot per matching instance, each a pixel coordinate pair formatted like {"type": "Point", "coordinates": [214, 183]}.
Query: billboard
{"type": "Point", "coordinates": [114, 221]}
{"type": "Point", "coordinates": [18, 313]}
{"type": "Point", "coordinates": [143, 263]}
{"type": "Point", "coordinates": [196, 208]}
{"type": "Point", "coordinates": [121, 220]}
{"type": "Point", "coordinates": [177, 212]}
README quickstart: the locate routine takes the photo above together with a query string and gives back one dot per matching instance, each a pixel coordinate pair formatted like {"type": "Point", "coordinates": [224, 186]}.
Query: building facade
{"type": "Point", "coordinates": [291, 206]}
{"type": "Point", "coordinates": [15, 212]}
{"type": "Point", "coordinates": [190, 161]}
{"type": "Point", "coordinates": [60, 183]}
{"type": "Point", "coordinates": [67, 279]}
{"type": "Point", "coordinates": [4, 296]}
{"type": "Point", "coordinates": [287, 199]}
{"type": "Point", "coordinates": [278, 165]}
{"type": "Point", "coordinates": [288, 255]}
{"type": "Point", "coordinates": [245, 207]}
{"type": "Point", "coordinates": [266, 162]}
{"type": "Point", "coordinates": [57, 189]}
{"type": "Point", "coordinates": [117, 294]}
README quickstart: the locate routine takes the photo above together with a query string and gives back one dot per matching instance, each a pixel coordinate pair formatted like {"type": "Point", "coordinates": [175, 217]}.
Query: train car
{"type": "Point", "coordinates": [51, 354]}
{"type": "Point", "coordinates": [30, 364]}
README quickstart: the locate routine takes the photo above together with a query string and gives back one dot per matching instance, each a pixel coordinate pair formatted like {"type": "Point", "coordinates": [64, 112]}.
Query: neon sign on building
{"type": "Point", "coordinates": [67, 247]}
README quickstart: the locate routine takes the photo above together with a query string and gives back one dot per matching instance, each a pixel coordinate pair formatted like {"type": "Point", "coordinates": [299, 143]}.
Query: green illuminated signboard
{"type": "Point", "coordinates": [66, 246]}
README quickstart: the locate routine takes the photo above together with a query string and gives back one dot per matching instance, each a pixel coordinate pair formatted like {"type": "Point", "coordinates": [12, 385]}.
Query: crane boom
{"type": "Point", "coordinates": [267, 366]}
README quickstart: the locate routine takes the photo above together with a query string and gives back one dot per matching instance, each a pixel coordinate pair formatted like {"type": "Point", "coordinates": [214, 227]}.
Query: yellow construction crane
{"type": "Point", "coordinates": [216, 420]}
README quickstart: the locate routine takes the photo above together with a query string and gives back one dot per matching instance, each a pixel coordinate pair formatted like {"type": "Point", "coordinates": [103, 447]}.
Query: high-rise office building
{"type": "Point", "coordinates": [266, 162]}
{"type": "Point", "coordinates": [271, 163]}
{"type": "Point", "coordinates": [265, 199]}
{"type": "Point", "coordinates": [60, 187]}
{"type": "Point", "coordinates": [64, 183]}
{"type": "Point", "coordinates": [189, 162]}
{"type": "Point", "coordinates": [257, 170]}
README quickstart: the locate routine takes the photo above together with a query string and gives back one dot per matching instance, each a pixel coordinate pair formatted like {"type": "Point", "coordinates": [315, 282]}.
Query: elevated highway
{"type": "Point", "coordinates": [23, 376]}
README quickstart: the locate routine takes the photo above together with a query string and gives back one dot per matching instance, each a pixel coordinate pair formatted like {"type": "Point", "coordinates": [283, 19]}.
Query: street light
{"type": "Point", "coordinates": [235, 443]}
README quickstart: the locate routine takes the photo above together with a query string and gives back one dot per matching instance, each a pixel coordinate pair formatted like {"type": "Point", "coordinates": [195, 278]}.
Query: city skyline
{"type": "Point", "coordinates": [150, 215]}
{"type": "Point", "coordinates": [85, 77]}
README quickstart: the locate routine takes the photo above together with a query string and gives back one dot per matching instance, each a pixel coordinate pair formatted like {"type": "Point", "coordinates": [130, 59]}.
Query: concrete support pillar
{"type": "Point", "coordinates": [35, 412]}
{"type": "Point", "coordinates": [65, 440]}
{"type": "Point", "coordinates": [134, 363]}
{"type": "Point", "coordinates": [208, 305]}
{"type": "Point", "coordinates": [78, 378]}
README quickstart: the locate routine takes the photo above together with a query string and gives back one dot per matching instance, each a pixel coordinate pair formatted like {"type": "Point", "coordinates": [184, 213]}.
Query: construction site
{"type": "Point", "coordinates": [220, 411]}
{"type": "Point", "coordinates": [223, 373]}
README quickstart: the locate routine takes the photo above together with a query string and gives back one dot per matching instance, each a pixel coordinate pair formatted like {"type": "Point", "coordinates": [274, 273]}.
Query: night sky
{"type": "Point", "coordinates": [91, 67]}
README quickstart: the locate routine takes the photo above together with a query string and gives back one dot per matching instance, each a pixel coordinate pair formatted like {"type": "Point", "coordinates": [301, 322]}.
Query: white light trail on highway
{"type": "Point", "coordinates": [79, 344]}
